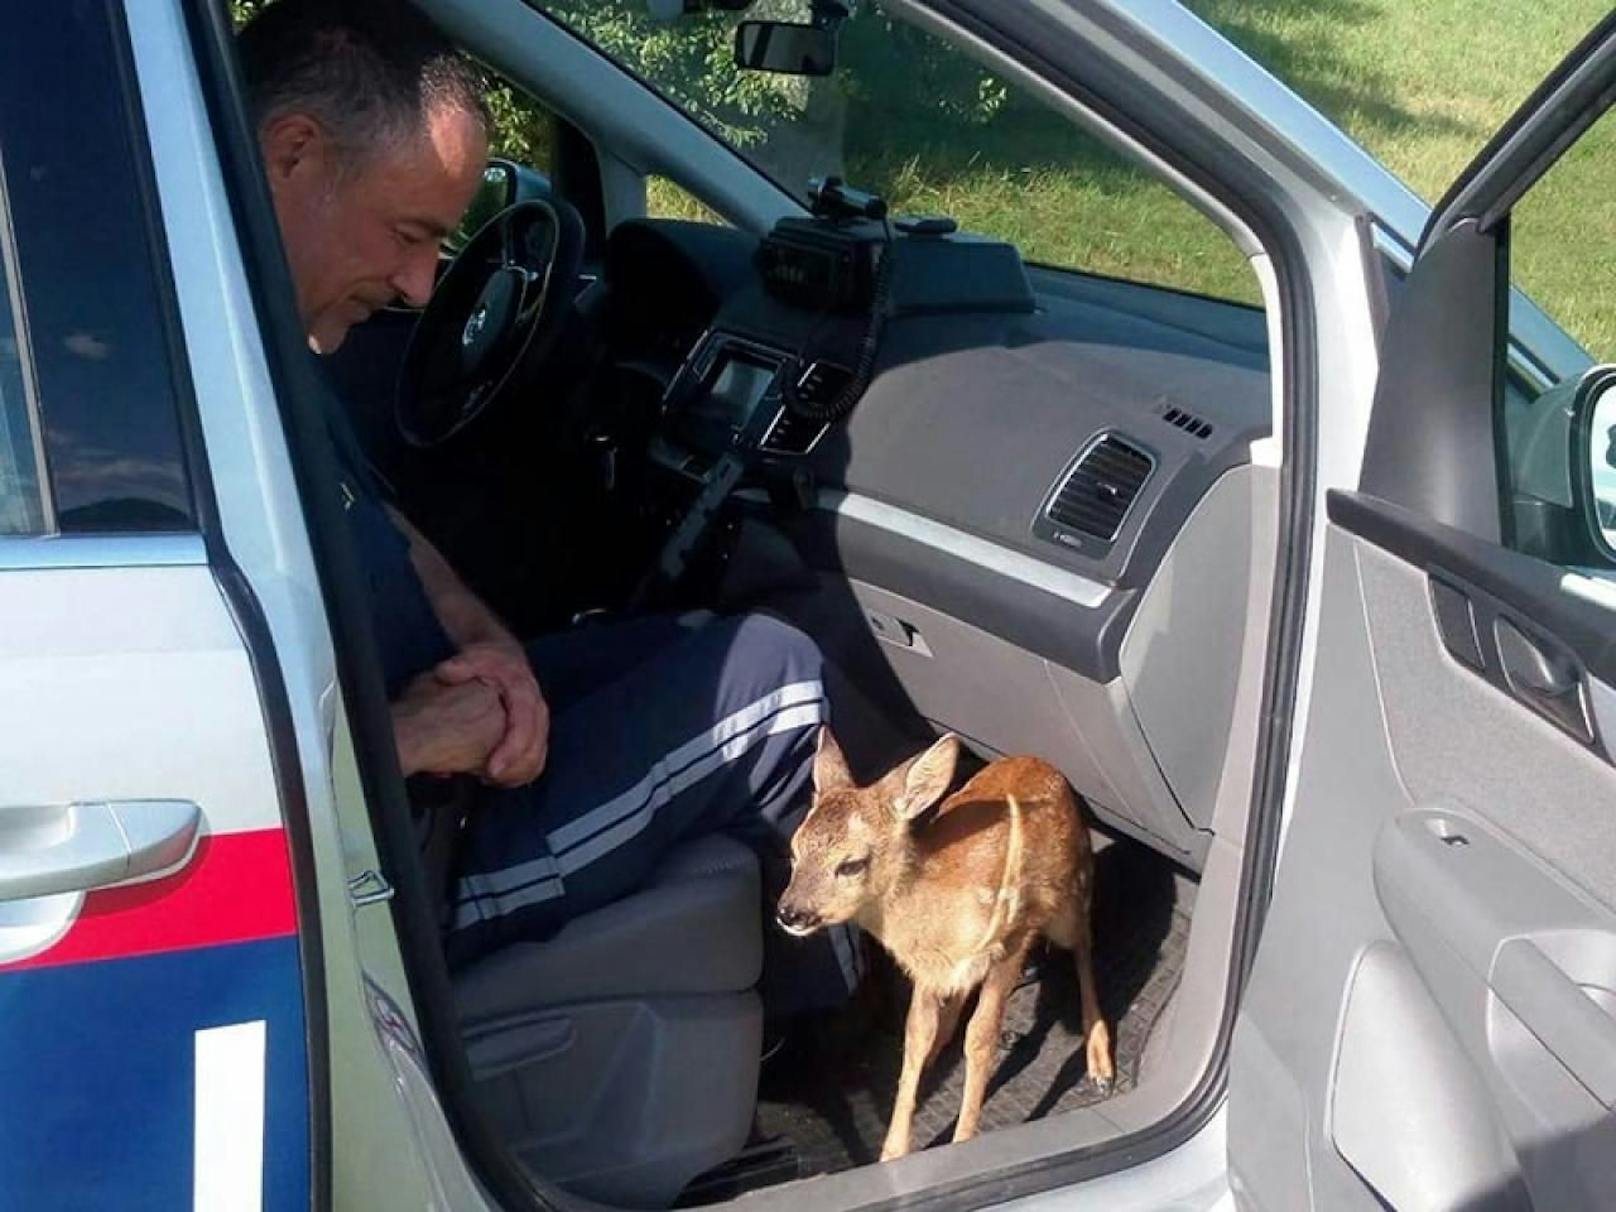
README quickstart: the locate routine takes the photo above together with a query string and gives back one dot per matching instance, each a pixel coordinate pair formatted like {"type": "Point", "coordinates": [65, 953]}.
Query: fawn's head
{"type": "Point", "coordinates": [855, 842]}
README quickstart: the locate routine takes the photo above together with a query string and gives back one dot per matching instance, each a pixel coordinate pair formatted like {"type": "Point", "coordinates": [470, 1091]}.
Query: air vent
{"type": "Point", "coordinates": [1188, 422]}
{"type": "Point", "coordinates": [792, 434]}
{"type": "Point", "coordinates": [1100, 487]}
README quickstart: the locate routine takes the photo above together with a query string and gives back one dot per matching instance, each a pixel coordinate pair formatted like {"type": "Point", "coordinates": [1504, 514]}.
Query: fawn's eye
{"type": "Point", "coordinates": [852, 867]}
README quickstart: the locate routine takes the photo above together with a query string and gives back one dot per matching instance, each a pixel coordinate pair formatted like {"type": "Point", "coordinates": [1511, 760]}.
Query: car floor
{"type": "Point", "coordinates": [826, 1093]}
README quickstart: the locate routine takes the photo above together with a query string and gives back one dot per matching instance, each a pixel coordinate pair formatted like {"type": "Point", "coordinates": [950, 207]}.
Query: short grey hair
{"type": "Point", "coordinates": [372, 72]}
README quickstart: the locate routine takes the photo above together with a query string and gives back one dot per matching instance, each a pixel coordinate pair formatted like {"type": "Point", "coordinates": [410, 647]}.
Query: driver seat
{"type": "Point", "coordinates": [619, 1059]}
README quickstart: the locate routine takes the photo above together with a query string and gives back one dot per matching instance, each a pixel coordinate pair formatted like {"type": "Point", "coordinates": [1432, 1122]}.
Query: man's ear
{"type": "Point", "coordinates": [294, 144]}
{"type": "Point", "coordinates": [830, 767]}
{"type": "Point", "coordinates": [928, 779]}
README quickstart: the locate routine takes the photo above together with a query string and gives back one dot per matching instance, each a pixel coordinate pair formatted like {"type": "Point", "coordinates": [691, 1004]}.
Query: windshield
{"type": "Point", "coordinates": [792, 127]}
{"type": "Point", "coordinates": [912, 118]}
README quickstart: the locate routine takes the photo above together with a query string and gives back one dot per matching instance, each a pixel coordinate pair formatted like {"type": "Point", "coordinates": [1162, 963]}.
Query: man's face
{"type": "Point", "coordinates": [360, 236]}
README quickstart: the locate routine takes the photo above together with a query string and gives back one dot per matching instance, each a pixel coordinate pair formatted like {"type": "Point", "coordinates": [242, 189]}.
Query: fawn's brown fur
{"type": "Point", "coordinates": [958, 901]}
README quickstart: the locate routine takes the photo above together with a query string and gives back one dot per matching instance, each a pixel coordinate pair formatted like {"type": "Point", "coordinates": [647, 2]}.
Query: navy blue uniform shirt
{"type": "Point", "coordinates": [409, 636]}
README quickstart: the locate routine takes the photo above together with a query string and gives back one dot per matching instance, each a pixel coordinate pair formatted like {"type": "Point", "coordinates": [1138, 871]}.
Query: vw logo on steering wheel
{"type": "Point", "coordinates": [474, 326]}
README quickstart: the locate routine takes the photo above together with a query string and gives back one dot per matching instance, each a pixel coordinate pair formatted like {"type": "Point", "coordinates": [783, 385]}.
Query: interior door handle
{"type": "Point", "coordinates": [1578, 1032]}
{"type": "Point", "coordinates": [1547, 681]}
{"type": "Point", "coordinates": [57, 848]}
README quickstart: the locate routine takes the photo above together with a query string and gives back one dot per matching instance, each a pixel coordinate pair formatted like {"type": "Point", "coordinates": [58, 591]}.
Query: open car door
{"type": "Point", "coordinates": [1431, 1020]}
{"type": "Point", "coordinates": [161, 1004]}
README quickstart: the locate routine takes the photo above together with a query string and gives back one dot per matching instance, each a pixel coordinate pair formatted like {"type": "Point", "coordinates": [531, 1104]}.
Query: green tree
{"type": "Point", "coordinates": [521, 127]}
{"type": "Point", "coordinates": [793, 126]}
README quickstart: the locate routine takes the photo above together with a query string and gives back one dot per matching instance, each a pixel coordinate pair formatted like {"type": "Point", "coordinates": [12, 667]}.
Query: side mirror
{"type": "Point", "coordinates": [499, 189]}
{"type": "Point", "coordinates": [1593, 454]}
{"type": "Point", "coordinates": [780, 46]}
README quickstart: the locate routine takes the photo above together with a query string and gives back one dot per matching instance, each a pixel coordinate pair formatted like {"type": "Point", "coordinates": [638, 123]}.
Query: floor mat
{"type": "Point", "coordinates": [829, 1091]}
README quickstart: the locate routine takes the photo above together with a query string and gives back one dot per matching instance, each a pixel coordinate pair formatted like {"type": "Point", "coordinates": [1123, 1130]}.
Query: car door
{"type": "Point", "coordinates": [1431, 1018]}
{"type": "Point", "coordinates": [154, 999]}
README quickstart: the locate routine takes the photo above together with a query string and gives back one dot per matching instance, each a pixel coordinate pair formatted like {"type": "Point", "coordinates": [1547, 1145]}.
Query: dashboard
{"type": "Point", "coordinates": [1024, 503]}
{"type": "Point", "coordinates": [1060, 419]}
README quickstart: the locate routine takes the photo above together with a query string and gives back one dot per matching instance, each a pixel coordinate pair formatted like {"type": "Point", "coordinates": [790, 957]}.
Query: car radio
{"type": "Point", "coordinates": [821, 266]}
{"type": "Point", "coordinates": [827, 262]}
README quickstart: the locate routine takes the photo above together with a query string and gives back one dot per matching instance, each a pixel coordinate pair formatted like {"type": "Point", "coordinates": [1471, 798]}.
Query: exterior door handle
{"type": "Point", "coordinates": [49, 849]}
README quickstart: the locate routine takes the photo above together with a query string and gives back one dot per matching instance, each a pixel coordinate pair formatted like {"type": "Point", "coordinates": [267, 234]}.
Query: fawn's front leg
{"type": "Point", "coordinates": [982, 1036]}
{"type": "Point", "coordinates": [918, 1035]}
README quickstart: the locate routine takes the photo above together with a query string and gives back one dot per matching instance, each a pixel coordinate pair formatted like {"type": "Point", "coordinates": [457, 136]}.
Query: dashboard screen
{"type": "Point", "coordinates": [736, 389]}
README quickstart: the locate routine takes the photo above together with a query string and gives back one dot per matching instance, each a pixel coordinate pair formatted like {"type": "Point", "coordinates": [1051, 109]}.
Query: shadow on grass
{"type": "Point", "coordinates": [900, 140]}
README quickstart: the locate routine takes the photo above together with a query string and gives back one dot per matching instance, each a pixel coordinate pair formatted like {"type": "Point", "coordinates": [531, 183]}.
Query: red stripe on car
{"type": "Point", "coordinates": [236, 888]}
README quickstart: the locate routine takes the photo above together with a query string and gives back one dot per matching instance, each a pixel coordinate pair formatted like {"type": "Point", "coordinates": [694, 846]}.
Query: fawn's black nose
{"type": "Point", "coordinates": [794, 920]}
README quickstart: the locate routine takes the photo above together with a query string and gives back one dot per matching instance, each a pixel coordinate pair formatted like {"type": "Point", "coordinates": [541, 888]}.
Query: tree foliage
{"type": "Point", "coordinates": [886, 67]}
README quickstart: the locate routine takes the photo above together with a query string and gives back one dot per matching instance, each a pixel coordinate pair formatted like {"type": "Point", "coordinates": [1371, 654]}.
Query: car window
{"type": "Point", "coordinates": [1421, 86]}
{"type": "Point", "coordinates": [1563, 241]}
{"type": "Point", "coordinates": [524, 133]}
{"type": "Point", "coordinates": [82, 230]}
{"type": "Point", "coordinates": [665, 199]}
{"type": "Point", "coordinates": [1562, 250]}
{"type": "Point", "coordinates": [910, 117]}
{"type": "Point", "coordinates": [21, 507]}
{"type": "Point", "coordinates": [524, 130]}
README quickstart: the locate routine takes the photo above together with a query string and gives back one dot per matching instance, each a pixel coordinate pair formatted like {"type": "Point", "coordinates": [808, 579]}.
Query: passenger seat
{"type": "Point", "coordinates": [619, 1059]}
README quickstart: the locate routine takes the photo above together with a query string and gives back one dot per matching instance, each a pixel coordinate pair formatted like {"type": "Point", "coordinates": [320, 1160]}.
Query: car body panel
{"type": "Point", "coordinates": [115, 986]}
{"type": "Point", "coordinates": [385, 1117]}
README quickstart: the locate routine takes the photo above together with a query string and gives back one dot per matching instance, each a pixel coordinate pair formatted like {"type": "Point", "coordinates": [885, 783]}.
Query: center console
{"type": "Point", "coordinates": [790, 352]}
{"type": "Point", "coordinates": [726, 395]}
{"type": "Point", "coordinates": [731, 397]}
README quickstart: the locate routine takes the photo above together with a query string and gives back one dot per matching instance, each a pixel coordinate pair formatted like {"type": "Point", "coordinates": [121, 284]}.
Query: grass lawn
{"type": "Point", "coordinates": [1420, 83]}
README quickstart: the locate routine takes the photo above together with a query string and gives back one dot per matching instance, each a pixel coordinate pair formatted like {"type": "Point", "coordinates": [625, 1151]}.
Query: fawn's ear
{"type": "Point", "coordinates": [830, 767]}
{"type": "Point", "coordinates": [929, 778]}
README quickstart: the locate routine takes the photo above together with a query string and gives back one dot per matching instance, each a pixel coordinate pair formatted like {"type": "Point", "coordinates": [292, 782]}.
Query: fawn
{"type": "Point", "coordinates": [958, 901]}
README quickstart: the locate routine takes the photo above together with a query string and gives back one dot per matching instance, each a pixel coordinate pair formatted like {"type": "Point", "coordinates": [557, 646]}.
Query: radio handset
{"type": "Point", "coordinates": [679, 546]}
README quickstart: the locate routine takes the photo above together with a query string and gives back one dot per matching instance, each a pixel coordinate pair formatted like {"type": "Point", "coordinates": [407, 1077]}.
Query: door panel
{"type": "Point", "coordinates": [139, 1016]}
{"type": "Point", "coordinates": [1431, 984]}
{"type": "Point", "coordinates": [1431, 1019]}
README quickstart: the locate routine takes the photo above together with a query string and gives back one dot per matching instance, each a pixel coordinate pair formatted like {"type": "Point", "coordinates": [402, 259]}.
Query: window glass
{"type": "Point", "coordinates": [1421, 84]}
{"type": "Point", "coordinates": [1563, 241]}
{"type": "Point", "coordinates": [21, 510]}
{"type": "Point", "coordinates": [1423, 87]}
{"type": "Point", "coordinates": [524, 130]}
{"type": "Point", "coordinates": [524, 133]}
{"type": "Point", "coordinates": [83, 237]}
{"type": "Point", "coordinates": [1563, 253]}
{"type": "Point", "coordinates": [912, 118]}
{"type": "Point", "coordinates": [665, 199]}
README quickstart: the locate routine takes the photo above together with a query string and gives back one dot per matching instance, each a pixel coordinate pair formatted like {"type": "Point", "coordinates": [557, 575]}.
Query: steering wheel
{"type": "Point", "coordinates": [501, 304]}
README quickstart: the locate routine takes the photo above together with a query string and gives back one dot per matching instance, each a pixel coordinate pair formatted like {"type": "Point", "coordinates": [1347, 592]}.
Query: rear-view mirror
{"type": "Point", "coordinates": [779, 46]}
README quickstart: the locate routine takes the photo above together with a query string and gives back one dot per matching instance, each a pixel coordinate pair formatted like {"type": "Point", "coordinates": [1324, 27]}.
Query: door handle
{"type": "Point", "coordinates": [1545, 680]}
{"type": "Point", "coordinates": [49, 849]}
{"type": "Point", "coordinates": [1577, 1031]}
